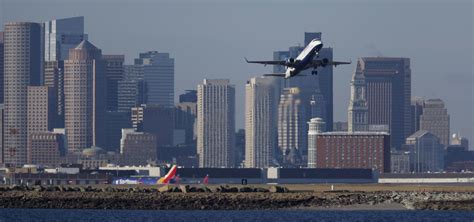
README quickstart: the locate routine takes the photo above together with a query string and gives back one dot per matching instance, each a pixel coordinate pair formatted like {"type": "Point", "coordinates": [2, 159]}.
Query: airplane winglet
{"type": "Point", "coordinates": [246, 60]}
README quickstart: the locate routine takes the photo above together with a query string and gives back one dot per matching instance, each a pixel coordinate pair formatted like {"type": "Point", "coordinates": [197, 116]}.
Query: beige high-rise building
{"type": "Point", "coordinates": [1, 68]}
{"type": "Point", "coordinates": [261, 112]}
{"type": "Point", "coordinates": [23, 67]}
{"type": "Point", "coordinates": [84, 94]}
{"type": "Point", "coordinates": [216, 123]}
{"type": "Point", "coordinates": [292, 128]}
{"type": "Point", "coordinates": [2, 132]}
{"type": "Point", "coordinates": [41, 109]}
{"type": "Point", "coordinates": [435, 119]}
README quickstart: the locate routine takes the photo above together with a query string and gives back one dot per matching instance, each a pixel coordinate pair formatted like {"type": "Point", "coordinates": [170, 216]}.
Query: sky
{"type": "Point", "coordinates": [210, 38]}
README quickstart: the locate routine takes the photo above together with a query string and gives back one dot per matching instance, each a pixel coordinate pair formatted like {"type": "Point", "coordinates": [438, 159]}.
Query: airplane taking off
{"type": "Point", "coordinates": [303, 61]}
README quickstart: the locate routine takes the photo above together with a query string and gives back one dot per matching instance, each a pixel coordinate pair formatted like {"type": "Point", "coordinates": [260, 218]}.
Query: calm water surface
{"type": "Point", "coordinates": [7, 215]}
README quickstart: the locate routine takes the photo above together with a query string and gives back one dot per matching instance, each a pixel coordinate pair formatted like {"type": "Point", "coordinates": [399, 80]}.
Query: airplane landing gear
{"type": "Point", "coordinates": [314, 72]}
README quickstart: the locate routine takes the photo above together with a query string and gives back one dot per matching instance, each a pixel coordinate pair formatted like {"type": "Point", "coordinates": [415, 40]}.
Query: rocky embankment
{"type": "Point", "coordinates": [220, 198]}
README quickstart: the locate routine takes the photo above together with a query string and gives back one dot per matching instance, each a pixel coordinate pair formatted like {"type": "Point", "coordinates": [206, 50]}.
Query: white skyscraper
{"type": "Point", "coordinates": [216, 123]}
{"type": "Point", "coordinates": [315, 127]}
{"type": "Point", "coordinates": [358, 109]}
{"type": "Point", "coordinates": [261, 102]}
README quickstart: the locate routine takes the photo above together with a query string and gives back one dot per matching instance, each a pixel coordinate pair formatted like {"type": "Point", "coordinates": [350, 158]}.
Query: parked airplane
{"type": "Point", "coordinates": [303, 61]}
{"type": "Point", "coordinates": [167, 179]}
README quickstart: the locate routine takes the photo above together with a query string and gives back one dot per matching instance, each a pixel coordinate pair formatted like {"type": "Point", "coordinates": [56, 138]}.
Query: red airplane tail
{"type": "Point", "coordinates": [205, 180]}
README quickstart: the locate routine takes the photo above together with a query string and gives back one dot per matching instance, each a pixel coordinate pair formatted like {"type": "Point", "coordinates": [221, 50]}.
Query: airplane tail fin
{"type": "Point", "coordinates": [205, 180]}
{"type": "Point", "coordinates": [170, 175]}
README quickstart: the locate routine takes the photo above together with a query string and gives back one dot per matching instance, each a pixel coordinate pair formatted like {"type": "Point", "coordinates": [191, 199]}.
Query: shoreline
{"type": "Point", "coordinates": [227, 198]}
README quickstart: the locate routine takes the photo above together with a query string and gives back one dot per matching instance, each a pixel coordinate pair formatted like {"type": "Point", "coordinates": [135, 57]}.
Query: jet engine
{"type": "Point", "coordinates": [324, 62]}
{"type": "Point", "coordinates": [290, 61]}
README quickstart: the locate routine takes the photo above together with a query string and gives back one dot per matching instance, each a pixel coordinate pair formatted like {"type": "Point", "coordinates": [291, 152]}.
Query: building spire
{"type": "Point", "coordinates": [358, 109]}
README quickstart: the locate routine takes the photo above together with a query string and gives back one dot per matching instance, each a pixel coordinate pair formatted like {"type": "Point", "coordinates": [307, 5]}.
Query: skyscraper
{"type": "Point", "coordinates": [54, 78]}
{"type": "Point", "coordinates": [131, 93]}
{"type": "Point", "coordinates": [185, 119]}
{"type": "Point", "coordinates": [292, 129]}
{"type": "Point", "coordinates": [157, 120]}
{"type": "Point", "coordinates": [1, 68]}
{"type": "Point", "coordinates": [416, 110]}
{"type": "Point", "coordinates": [188, 96]}
{"type": "Point", "coordinates": [131, 90]}
{"type": "Point", "coordinates": [358, 110]}
{"type": "Point", "coordinates": [115, 122]}
{"type": "Point", "coordinates": [435, 119]}
{"type": "Point", "coordinates": [60, 35]}
{"type": "Point", "coordinates": [261, 102]}
{"type": "Point", "coordinates": [323, 82]}
{"type": "Point", "coordinates": [216, 123]}
{"type": "Point", "coordinates": [2, 132]}
{"type": "Point", "coordinates": [388, 93]}
{"type": "Point", "coordinates": [158, 74]}
{"type": "Point", "coordinates": [114, 73]}
{"type": "Point", "coordinates": [318, 105]}
{"type": "Point", "coordinates": [84, 81]}
{"type": "Point", "coordinates": [41, 109]}
{"type": "Point", "coordinates": [23, 62]}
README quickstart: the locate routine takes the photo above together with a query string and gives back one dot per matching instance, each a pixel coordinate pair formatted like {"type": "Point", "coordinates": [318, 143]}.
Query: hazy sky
{"type": "Point", "coordinates": [209, 39]}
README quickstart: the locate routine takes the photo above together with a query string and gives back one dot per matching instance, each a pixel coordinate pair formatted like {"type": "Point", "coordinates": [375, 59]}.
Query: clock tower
{"type": "Point", "coordinates": [358, 110]}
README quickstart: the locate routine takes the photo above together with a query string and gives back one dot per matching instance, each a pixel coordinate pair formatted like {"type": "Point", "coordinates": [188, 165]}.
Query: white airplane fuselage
{"type": "Point", "coordinates": [304, 59]}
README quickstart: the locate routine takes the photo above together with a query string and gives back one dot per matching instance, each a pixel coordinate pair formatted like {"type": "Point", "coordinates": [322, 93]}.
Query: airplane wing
{"type": "Point", "coordinates": [277, 62]}
{"type": "Point", "coordinates": [335, 63]}
{"type": "Point", "coordinates": [282, 75]}
{"type": "Point", "coordinates": [275, 74]}
{"type": "Point", "coordinates": [324, 62]}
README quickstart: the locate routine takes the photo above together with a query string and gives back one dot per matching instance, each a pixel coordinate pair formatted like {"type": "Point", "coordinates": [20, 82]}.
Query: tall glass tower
{"type": "Point", "coordinates": [60, 35]}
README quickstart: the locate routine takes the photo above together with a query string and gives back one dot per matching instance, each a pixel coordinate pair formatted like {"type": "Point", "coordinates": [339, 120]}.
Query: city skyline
{"type": "Point", "coordinates": [236, 110]}
{"type": "Point", "coordinates": [200, 55]}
